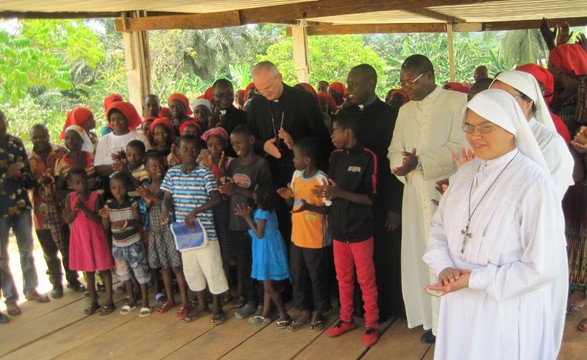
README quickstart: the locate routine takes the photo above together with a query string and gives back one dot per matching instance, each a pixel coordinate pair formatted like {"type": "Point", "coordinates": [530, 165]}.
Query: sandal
{"type": "Point", "coordinates": [91, 309]}
{"type": "Point", "coordinates": [238, 302]}
{"type": "Point", "coordinates": [259, 320]}
{"type": "Point", "coordinates": [282, 324]}
{"type": "Point", "coordinates": [316, 325]}
{"type": "Point", "coordinates": [294, 326]}
{"type": "Point", "coordinates": [573, 308]}
{"type": "Point", "coordinates": [40, 298]}
{"type": "Point", "coordinates": [145, 311]}
{"type": "Point", "coordinates": [225, 299]}
{"type": "Point", "coordinates": [126, 309]}
{"type": "Point", "coordinates": [163, 308]}
{"type": "Point", "coordinates": [107, 309]}
{"type": "Point", "coordinates": [217, 319]}
{"type": "Point", "coordinates": [191, 315]}
{"type": "Point", "coordinates": [183, 310]}
{"type": "Point", "coordinates": [12, 308]}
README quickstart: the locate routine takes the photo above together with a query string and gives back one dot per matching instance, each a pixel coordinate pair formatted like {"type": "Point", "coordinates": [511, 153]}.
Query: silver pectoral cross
{"type": "Point", "coordinates": [466, 236]}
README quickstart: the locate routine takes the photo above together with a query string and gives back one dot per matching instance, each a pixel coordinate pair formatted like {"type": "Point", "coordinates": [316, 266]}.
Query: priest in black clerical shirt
{"type": "Point", "coordinates": [225, 114]}
{"type": "Point", "coordinates": [375, 132]}
{"type": "Point", "coordinates": [281, 116]}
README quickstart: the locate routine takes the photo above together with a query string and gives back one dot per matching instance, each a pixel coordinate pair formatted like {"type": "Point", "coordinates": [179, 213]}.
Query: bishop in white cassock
{"type": "Point", "coordinates": [431, 124]}
{"type": "Point", "coordinates": [497, 242]}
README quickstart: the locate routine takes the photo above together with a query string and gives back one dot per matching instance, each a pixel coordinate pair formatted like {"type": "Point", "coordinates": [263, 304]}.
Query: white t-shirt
{"type": "Point", "coordinates": [111, 144]}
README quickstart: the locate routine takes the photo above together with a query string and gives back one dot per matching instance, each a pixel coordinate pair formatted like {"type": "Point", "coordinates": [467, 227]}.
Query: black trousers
{"type": "Point", "coordinates": [51, 255]}
{"type": "Point", "coordinates": [309, 274]}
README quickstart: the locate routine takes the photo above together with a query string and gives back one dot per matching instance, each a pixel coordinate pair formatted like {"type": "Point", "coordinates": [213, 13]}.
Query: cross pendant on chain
{"type": "Point", "coordinates": [466, 236]}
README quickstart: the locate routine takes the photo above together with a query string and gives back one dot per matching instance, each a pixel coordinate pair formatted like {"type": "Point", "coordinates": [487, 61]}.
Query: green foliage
{"type": "Point", "coordinates": [520, 47]}
{"type": "Point", "coordinates": [331, 58]}
{"type": "Point", "coordinates": [42, 64]}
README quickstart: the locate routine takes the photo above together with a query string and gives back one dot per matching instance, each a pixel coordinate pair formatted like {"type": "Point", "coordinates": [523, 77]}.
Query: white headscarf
{"type": "Point", "coordinates": [199, 102]}
{"type": "Point", "coordinates": [500, 108]}
{"type": "Point", "coordinates": [87, 143]}
{"type": "Point", "coordinates": [527, 84]}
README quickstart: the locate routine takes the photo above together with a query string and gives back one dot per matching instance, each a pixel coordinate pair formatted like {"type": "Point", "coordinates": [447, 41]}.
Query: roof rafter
{"type": "Point", "coordinates": [284, 13]}
{"type": "Point", "coordinates": [325, 29]}
{"type": "Point", "coordinates": [433, 14]}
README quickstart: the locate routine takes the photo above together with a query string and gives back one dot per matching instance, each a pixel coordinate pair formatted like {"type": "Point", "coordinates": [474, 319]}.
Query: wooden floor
{"type": "Point", "coordinates": [60, 329]}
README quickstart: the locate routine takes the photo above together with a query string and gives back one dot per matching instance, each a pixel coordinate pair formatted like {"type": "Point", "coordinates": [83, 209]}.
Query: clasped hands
{"type": "Point", "coordinates": [449, 280]}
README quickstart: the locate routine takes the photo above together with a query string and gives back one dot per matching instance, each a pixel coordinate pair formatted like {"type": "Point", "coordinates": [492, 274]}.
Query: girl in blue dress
{"type": "Point", "coordinates": [269, 255]}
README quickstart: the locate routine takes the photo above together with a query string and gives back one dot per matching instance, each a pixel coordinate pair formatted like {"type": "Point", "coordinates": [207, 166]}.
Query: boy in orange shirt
{"type": "Point", "coordinates": [309, 236]}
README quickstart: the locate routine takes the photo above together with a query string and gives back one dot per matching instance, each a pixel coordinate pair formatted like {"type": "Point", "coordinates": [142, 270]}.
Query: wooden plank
{"type": "Point", "coordinates": [399, 342]}
{"type": "Point", "coordinates": [372, 29]}
{"type": "Point", "coordinates": [148, 336]}
{"type": "Point", "coordinates": [277, 343]}
{"type": "Point", "coordinates": [433, 14]}
{"type": "Point", "coordinates": [190, 21]}
{"type": "Point", "coordinates": [279, 14]}
{"type": "Point", "coordinates": [219, 340]}
{"type": "Point", "coordinates": [74, 336]}
{"type": "Point", "coordinates": [32, 310]}
{"type": "Point", "coordinates": [531, 24]}
{"type": "Point", "coordinates": [429, 354]}
{"type": "Point", "coordinates": [51, 322]}
{"type": "Point", "coordinates": [348, 346]}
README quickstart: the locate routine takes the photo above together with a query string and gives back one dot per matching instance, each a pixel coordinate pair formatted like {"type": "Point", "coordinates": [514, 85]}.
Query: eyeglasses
{"type": "Point", "coordinates": [410, 83]}
{"type": "Point", "coordinates": [483, 129]}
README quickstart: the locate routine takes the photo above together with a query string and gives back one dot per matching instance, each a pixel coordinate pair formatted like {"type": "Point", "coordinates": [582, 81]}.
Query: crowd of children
{"type": "Point", "coordinates": [175, 170]}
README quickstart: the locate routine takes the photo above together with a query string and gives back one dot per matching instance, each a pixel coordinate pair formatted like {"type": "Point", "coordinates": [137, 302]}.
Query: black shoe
{"type": "Point", "coordinates": [57, 292]}
{"type": "Point", "coordinates": [76, 286]}
{"type": "Point", "coordinates": [428, 337]}
{"type": "Point", "coordinates": [4, 318]}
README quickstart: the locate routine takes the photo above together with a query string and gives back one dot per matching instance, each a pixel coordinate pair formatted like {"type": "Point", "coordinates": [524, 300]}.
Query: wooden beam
{"type": "Point", "coordinates": [300, 51]}
{"type": "Point", "coordinates": [433, 14]}
{"type": "Point", "coordinates": [71, 15]}
{"type": "Point", "coordinates": [531, 24]}
{"type": "Point", "coordinates": [373, 29]}
{"type": "Point", "coordinates": [284, 14]}
{"type": "Point", "coordinates": [191, 21]}
{"type": "Point", "coordinates": [451, 51]}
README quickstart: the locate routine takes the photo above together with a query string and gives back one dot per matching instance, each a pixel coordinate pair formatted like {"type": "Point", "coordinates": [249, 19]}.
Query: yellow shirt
{"type": "Point", "coordinates": [309, 229]}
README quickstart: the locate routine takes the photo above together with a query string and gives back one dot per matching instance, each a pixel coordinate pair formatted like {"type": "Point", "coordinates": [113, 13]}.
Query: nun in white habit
{"type": "Point", "coordinates": [497, 242]}
{"type": "Point", "coordinates": [524, 88]}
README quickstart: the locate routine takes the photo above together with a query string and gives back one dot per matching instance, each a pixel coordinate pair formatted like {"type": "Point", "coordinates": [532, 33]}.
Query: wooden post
{"type": "Point", "coordinates": [300, 49]}
{"type": "Point", "coordinates": [138, 66]}
{"type": "Point", "coordinates": [451, 52]}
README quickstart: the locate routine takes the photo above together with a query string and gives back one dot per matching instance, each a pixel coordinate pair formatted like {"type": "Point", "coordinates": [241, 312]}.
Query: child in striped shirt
{"type": "Point", "coordinates": [193, 191]}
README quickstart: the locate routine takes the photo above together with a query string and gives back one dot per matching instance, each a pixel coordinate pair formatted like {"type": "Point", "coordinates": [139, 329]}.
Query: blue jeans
{"type": "Point", "coordinates": [22, 227]}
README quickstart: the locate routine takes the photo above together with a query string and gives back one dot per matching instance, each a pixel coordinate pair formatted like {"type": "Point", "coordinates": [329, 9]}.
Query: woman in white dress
{"type": "Point", "coordinates": [497, 242]}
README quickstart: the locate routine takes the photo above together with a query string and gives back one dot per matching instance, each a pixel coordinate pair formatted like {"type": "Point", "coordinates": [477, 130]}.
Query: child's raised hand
{"type": "Point", "coordinates": [207, 158]}
{"type": "Point", "coordinates": [144, 192]}
{"type": "Point", "coordinates": [119, 225]}
{"type": "Point", "coordinates": [242, 210]}
{"type": "Point", "coordinates": [118, 165]}
{"type": "Point", "coordinates": [189, 221]}
{"type": "Point", "coordinates": [229, 187]}
{"type": "Point", "coordinates": [285, 192]}
{"type": "Point", "coordinates": [301, 208]}
{"type": "Point", "coordinates": [119, 156]}
{"type": "Point", "coordinates": [104, 212]}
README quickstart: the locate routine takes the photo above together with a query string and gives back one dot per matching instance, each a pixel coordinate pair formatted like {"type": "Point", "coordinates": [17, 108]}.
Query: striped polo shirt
{"type": "Point", "coordinates": [190, 191]}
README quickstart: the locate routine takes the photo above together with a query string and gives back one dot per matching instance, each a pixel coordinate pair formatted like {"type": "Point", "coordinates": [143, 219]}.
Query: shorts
{"type": "Point", "coordinates": [131, 257]}
{"type": "Point", "coordinates": [204, 266]}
